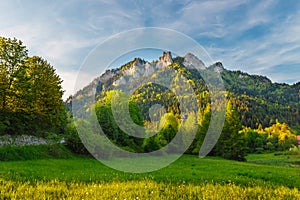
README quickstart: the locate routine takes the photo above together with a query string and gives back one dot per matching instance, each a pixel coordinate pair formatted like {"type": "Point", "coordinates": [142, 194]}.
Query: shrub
{"type": "Point", "coordinates": [72, 139]}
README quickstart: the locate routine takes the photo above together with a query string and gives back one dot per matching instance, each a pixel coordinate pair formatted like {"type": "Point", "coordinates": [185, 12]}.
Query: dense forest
{"type": "Point", "coordinates": [260, 115]}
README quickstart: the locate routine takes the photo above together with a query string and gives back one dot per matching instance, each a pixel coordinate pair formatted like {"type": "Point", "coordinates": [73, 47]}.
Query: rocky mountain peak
{"type": "Point", "coordinates": [165, 60]}
{"type": "Point", "coordinates": [191, 61]}
{"type": "Point", "coordinates": [218, 67]}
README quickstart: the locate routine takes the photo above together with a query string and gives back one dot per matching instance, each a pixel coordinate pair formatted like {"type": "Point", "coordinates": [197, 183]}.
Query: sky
{"type": "Point", "coordinates": [258, 37]}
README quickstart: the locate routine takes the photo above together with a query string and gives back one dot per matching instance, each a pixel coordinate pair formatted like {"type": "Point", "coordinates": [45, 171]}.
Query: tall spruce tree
{"type": "Point", "coordinates": [231, 144]}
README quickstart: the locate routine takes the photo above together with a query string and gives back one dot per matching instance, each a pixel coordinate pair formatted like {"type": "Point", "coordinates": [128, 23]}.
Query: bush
{"type": "Point", "coordinates": [293, 151]}
{"type": "Point", "coordinates": [73, 141]}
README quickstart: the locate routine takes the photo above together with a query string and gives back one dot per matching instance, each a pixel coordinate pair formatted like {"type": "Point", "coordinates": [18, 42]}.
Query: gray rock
{"type": "Point", "coordinates": [218, 67]}
{"type": "Point", "coordinates": [21, 140]}
{"type": "Point", "coordinates": [107, 75]}
{"type": "Point", "coordinates": [191, 61]}
{"type": "Point", "coordinates": [120, 81]}
{"type": "Point", "coordinates": [149, 69]}
{"type": "Point", "coordinates": [165, 60]}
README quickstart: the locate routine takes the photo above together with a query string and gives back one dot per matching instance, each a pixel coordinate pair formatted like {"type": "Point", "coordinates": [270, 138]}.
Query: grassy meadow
{"type": "Point", "coordinates": [264, 176]}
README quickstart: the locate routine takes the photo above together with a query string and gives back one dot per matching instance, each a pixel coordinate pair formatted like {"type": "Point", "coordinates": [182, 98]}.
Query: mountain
{"type": "Point", "coordinates": [257, 99]}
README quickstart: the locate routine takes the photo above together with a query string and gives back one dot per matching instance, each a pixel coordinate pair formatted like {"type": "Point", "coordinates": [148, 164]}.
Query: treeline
{"type": "Point", "coordinates": [30, 93]}
{"type": "Point", "coordinates": [235, 141]}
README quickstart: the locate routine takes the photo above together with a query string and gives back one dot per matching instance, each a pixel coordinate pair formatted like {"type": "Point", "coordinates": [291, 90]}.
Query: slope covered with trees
{"type": "Point", "coordinates": [257, 100]}
{"type": "Point", "coordinates": [253, 101]}
{"type": "Point", "coordinates": [261, 102]}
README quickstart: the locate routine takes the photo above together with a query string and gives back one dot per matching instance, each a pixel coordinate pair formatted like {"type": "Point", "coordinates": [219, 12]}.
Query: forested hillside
{"type": "Point", "coordinates": [257, 99]}
{"type": "Point", "coordinates": [260, 101]}
{"type": "Point", "coordinates": [266, 109]}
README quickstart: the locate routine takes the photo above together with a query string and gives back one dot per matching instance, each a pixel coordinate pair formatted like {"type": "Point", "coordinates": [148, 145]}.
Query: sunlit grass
{"type": "Point", "coordinates": [143, 189]}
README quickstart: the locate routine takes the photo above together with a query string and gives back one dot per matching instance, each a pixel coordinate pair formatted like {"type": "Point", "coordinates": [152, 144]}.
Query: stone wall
{"type": "Point", "coordinates": [21, 140]}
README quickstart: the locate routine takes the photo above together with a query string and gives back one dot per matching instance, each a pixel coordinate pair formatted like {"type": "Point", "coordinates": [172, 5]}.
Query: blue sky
{"type": "Point", "coordinates": [258, 37]}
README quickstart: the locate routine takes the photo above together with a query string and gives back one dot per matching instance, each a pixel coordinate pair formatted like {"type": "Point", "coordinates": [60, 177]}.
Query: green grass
{"type": "Point", "coordinates": [264, 176]}
{"type": "Point", "coordinates": [277, 159]}
{"type": "Point", "coordinates": [33, 152]}
{"type": "Point", "coordinates": [188, 169]}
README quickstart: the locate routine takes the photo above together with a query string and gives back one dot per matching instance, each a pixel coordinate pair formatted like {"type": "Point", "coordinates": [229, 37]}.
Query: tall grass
{"type": "Point", "coordinates": [143, 189]}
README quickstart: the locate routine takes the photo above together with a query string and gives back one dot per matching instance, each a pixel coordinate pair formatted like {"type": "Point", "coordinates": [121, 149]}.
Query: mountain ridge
{"type": "Point", "coordinates": [258, 100]}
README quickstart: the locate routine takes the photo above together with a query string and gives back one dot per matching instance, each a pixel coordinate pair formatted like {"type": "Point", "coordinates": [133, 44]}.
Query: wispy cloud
{"type": "Point", "coordinates": [278, 45]}
{"type": "Point", "coordinates": [255, 36]}
{"type": "Point", "coordinates": [263, 57]}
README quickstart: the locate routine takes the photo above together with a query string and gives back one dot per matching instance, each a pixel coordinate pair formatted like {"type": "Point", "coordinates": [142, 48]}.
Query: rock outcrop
{"type": "Point", "coordinates": [191, 61]}
{"type": "Point", "coordinates": [217, 67]}
{"type": "Point", "coordinates": [165, 60]}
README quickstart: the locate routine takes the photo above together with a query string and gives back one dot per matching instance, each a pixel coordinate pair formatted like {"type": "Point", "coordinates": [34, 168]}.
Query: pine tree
{"type": "Point", "coordinates": [231, 144]}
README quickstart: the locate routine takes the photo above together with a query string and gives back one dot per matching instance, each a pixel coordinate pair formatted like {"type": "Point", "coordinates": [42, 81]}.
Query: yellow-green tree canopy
{"type": "Point", "coordinates": [30, 92]}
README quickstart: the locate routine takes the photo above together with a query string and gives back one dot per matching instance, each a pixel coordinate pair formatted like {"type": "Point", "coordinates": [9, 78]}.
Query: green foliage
{"type": "Point", "coordinates": [255, 100]}
{"type": "Point", "coordinates": [30, 92]}
{"type": "Point", "coordinates": [259, 101]}
{"type": "Point", "coordinates": [231, 144]}
{"type": "Point", "coordinates": [188, 131]}
{"type": "Point", "coordinates": [150, 144]}
{"type": "Point", "coordinates": [201, 131]}
{"type": "Point", "coordinates": [12, 56]}
{"type": "Point", "coordinates": [112, 129]}
{"type": "Point", "coordinates": [168, 120]}
{"type": "Point", "coordinates": [254, 141]}
{"type": "Point", "coordinates": [72, 139]}
{"type": "Point", "coordinates": [278, 137]}
{"type": "Point", "coordinates": [88, 143]}
{"type": "Point", "coordinates": [168, 128]}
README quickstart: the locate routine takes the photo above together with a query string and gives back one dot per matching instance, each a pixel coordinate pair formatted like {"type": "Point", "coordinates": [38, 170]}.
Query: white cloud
{"type": "Point", "coordinates": [63, 32]}
{"type": "Point", "coordinates": [206, 17]}
{"type": "Point", "coordinates": [280, 47]}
